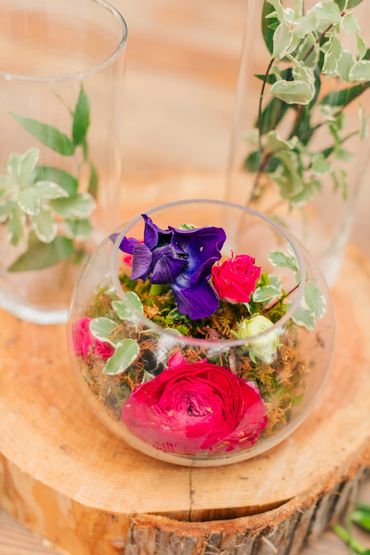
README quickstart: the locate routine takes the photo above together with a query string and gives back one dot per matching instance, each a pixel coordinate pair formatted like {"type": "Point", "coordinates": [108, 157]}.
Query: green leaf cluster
{"type": "Point", "coordinates": [126, 350]}
{"type": "Point", "coordinates": [30, 205]}
{"type": "Point", "coordinates": [306, 48]}
{"type": "Point", "coordinates": [41, 205]}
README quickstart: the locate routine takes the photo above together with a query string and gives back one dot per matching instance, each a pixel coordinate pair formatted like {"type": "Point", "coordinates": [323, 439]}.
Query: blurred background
{"type": "Point", "coordinates": [180, 90]}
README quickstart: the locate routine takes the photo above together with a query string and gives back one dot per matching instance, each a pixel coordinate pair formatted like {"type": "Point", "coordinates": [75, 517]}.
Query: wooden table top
{"type": "Point", "coordinates": [186, 54]}
{"type": "Point", "coordinates": [16, 540]}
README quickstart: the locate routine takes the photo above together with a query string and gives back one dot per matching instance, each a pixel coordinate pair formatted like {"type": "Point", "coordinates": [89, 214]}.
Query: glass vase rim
{"type": "Point", "coordinates": [89, 71]}
{"type": "Point", "coordinates": [227, 343]}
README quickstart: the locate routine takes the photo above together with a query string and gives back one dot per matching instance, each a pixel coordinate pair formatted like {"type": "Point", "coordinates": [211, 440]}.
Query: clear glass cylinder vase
{"type": "Point", "coordinates": [300, 145]}
{"type": "Point", "coordinates": [61, 80]}
{"type": "Point", "coordinates": [201, 390]}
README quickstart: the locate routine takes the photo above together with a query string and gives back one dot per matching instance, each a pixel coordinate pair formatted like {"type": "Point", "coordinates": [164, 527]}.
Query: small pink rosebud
{"type": "Point", "coordinates": [235, 279]}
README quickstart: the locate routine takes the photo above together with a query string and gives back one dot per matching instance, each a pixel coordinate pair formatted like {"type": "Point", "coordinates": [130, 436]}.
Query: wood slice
{"type": "Point", "coordinates": [65, 476]}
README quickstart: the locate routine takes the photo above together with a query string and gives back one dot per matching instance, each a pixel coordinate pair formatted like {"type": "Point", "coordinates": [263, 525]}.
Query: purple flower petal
{"type": "Point", "coordinates": [168, 262]}
{"type": "Point", "coordinates": [166, 270]}
{"type": "Point", "coordinates": [203, 246]}
{"type": "Point", "coordinates": [128, 244]}
{"type": "Point", "coordinates": [141, 261]}
{"type": "Point", "coordinates": [154, 235]}
{"type": "Point", "coordinates": [196, 301]}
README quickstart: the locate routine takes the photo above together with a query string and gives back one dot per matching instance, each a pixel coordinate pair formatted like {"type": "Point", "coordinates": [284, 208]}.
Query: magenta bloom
{"type": "Point", "coordinates": [235, 279]}
{"type": "Point", "coordinates": [197, 407]}
{"type": "Point", "coordinates": [85, 343]}
{"type": "Point", "coordinates": [182, 259]}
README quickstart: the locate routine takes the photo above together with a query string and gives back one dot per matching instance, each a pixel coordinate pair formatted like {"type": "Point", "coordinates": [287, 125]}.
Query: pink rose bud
{"type": "Point", "coordinates": [235, 279]}
{"type": "Point", "coordinates": [85, 343]}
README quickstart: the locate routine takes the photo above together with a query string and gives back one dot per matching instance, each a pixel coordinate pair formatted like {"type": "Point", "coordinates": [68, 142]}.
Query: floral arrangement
{"type": "Point", "coordinates": [46, 213]}
{"type": "Point", "coordinates": [306, 53]}
{"type": "Point", "coordinates": [174, 392]}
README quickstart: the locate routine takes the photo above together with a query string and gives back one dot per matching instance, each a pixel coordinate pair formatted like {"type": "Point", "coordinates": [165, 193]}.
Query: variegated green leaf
{"type": "Point", "coordinates": [309, 51]}
{"type": "Point", "coordinates": [16, 225]}
{"type": "Point", "coordinates": [282, 260]}
{"type": "Point", "coordinates": [304, 317]}
{"type": "Point", "coordinates": [29, 201]}
{"type": "Point", "coordinates": [265, 293]}
{"type": "Point", "coordinates": [277, 5]}
{"type": "Point", "coordinates": [50, 190]}
{"type": "Point", "coordinates": [13, 166]}
{"type": "Point", "coordinates": [44, 226]}
{"type": "Point", "coordinates": [27, 165]}
{"type": "Point", "coordinates": [345, 64]}
{"type": "Point", "coordinates": [126, 353]}
{"type": "Point", "coordinates": [361, 46]}
{"type": "Point", "coordinates": [103, 328]}
{"type": "Point", "coordinates": [127, 308]}
{"type": "Point", "coordinates": [302, 73]}
{"type": "Point", "coordinates": [76, 206]}
{"type": "Point", "coordinates": [332, 56]}
{"type": "Point", "coordinates": [283, 41]}
{"type": "Point", "coordinates": [275, 281]}
{"type": "Point", "coordinates": [326, 13]}
{"type": "Point", "coordinates": [5, 210]}
{"type": "Point", "coordinates": [6, 183]}
{"type": "Point", "coordinates": [350, 23]}
{"type": "Point", "coordinates": [293, 92]}
{"type": "Point", "coordinates": [360, 71]}
{"type": "Point", "coordinates": [315, 300]}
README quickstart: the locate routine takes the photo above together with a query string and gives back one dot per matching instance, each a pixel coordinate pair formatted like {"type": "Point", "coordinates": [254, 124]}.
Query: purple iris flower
{"type": "Point", "coordinates": [182, 259]}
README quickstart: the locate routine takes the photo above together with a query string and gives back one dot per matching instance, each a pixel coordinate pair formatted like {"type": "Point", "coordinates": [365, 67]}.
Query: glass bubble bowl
{"type": "Point", "coordinates": [188, 387]}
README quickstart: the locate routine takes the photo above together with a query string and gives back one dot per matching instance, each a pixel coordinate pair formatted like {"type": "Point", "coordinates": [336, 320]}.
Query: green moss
{"type": "Point", "coordinates": [280, 383]}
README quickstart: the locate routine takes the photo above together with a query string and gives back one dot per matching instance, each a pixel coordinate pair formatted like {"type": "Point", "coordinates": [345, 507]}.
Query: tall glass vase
{"type": "Point", "coordinates": [61, 80]}
{"type": "Point", "coordinates": [300, 144]}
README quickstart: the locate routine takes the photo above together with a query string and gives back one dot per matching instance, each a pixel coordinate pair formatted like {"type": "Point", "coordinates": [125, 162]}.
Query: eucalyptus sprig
{"type": "Point", "coordinates": [305, 49]}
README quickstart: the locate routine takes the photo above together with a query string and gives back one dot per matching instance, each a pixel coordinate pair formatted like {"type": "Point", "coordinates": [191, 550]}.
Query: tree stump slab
{"type": "Point", "coordinates": [68, 478]}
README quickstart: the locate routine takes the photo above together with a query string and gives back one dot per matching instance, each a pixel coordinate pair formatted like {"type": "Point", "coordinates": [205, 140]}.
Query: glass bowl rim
{"type": "Point", "coordinates": [227, 343]}
{"type": "Point", "coordinates": [90, 71]}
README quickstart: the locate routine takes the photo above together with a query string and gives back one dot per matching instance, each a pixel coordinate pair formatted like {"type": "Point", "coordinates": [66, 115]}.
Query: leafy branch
{"type": "Point", "coordinates": [42, 205]}
{"type": "Point", "coordinates": [310, 44]}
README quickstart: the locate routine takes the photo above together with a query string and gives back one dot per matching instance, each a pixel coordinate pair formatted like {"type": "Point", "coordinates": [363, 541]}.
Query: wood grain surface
{"type": "Point", "coordinates": [64, 473]}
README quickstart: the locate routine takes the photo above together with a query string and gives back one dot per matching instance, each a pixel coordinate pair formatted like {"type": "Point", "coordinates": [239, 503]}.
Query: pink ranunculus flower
{"type": "Point", "coordinates": [236, 278]}
{"type": "Point", "coordinates": [194, 407]}
{"type": "Point", "coordinates": [85, 343]}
